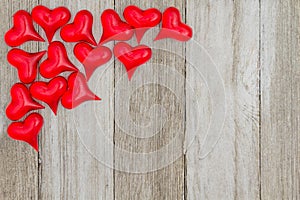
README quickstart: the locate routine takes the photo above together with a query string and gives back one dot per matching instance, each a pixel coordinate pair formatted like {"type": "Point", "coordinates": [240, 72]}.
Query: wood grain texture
{"type": "Point", "coordinates": [18, 161]}
{"type": "Point", "coordinates": [280, 78]}
{"type": "Point", "coordinates": [255, 46]}
{"type": "Point", "coordinates": [229, 30]}
{"type": "Point", "coordinates": [67, 170]}
{"type": "Point", "coordinates": [147, 105]}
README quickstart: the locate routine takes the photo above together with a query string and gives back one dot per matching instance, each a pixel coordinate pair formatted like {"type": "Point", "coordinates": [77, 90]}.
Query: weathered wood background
{"type": "Point", "coordinates": [256, 46]}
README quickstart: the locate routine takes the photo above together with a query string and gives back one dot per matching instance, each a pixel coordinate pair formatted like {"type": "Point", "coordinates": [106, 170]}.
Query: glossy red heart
{"type": "Point", "coordinates": [26, 63]}
{"type": "Point", "coordinates": [142, 20]}
{"type": "Point", "coordinates": [50, 20]}
{"type": "Point", "coordinates": [27, 130]}
{"type": "Point", "coordinates": [49, 92]}
{"type": "Point", "coordinates": [21, 102]}
{"type": "Point", "coordinates": [114, 28]}
{"type": "Point", "coordinates": [57, 61]}
{"type": "Point", "coordinates": [78, 91]}
{"type": "Point", "coordinates": [80, 29]}
{"type": "Point", "coordinates": [172, 27]}
{"type": "Point", "coordinates": [22, 31]}
{"type": "Point", "coordinates": [91, 58]}
{"type": "Point", "coordinates": [132, 57]}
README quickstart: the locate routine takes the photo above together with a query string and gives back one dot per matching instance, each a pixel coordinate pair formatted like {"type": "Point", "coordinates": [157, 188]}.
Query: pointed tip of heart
{"type": "Point", "coordinates": [90, 39]}
{"type": "Point", "coordinates": [49, 37]}
{"type": "Point", "coordinates": [88, 75]}
{"type": "Point", "coordinates": [38, 38]}
{"type": "Point", "coordinates": [130, 73]}
{"type": "Point", "coordinates": [161, 35]}
{"type": "Point", "coordinates": [103, 40]}
{"type": "Point", "coordinates": [93, 42]}
{"type": "Point", "coordinates": [139, 33]}
{"type": "Point", "coordinates": [92, 97]}
{"type": "Point", "coordinates": [37, 105]}
{"type": "Point", "coordinates": [34, 144]}
{"type": "Point", "coordinates": [96, 98]}
{"type": "Point", "coordinates": [139, 39]}
{"type": "Point", "coordinates": [54, 110]}
{"type": "Point", "coordinates": [41, 54]}
{"type": "Point", "coordinates": [74, 69]}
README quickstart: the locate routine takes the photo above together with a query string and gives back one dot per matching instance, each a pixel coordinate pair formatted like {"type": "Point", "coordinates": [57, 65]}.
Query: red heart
{"type": "Point", "coordinates": [80, 29]}
{"type": "Point", "coordinates": [21, 102]}
{"type": "Point", "coordinates": [22, 30]}
{"type": "Point", "coordinates": [26, 63]}
{"type": "Point", "coordinates": [27, 130]}
{"type": "Point", "coordinates": [142, 20]}
{"type": "Point", "coordinates": [172, 27]}
{"type": "Point", "coordinates": [78, 91]}
{"type": "Point", "coordinates": [114, 28]}
{"type": "Point", "coordinates": [132, 57]}
{"type": "Point", "coordinates": [57, 61]}
{"type": "Point", "coordinates": [50, 20]}
{"type": "Point", "coordinates": [49, 92]}
{"type": "Point", "coordinates": [91, 58]}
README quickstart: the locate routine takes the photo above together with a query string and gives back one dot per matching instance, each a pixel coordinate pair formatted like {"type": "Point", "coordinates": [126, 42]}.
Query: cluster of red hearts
{"type": "Point", "coordinates": [74, 90]}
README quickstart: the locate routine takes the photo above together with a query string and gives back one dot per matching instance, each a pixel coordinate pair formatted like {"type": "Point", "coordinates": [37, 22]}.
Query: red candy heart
{"type": "Point", "coordinates": [172, 27]}
{"type": "Point", "coordinates": [57, 61]}
{"type": "Point", "coordinates": [75, 90]}
{"type": "Point", "coordinates": [78, 91]}
{"type": "Point", "coordinates": [80, 29]}
{"type": "Point", "coordinates": [132, 57]}
{"type": "Point", "coordinates": [27, 130]}
{"type": "Point", "coordinates": [22, 30]}
{"type": "Point", "coordinates": [50, 92]}
{"type": "Point", "coordinates": [114, 28]}
{"type": "Point", "coordinates": [21, 102]}
{"type": "Point", "coordinates": [26, 63]}
{"type": "Point", "coordinates": [91, 58]}
{"type": "Point", "coordinates": [142, 20]}
{"type": "Point", "coordinates": [50, 20]}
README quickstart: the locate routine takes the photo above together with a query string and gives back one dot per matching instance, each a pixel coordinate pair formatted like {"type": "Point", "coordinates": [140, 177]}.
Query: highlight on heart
{"type": "Point", "coordinates": [64, 83]}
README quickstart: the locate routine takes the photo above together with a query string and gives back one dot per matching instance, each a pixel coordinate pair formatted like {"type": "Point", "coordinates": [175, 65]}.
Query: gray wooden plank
{"type": "Point", "coordinates": [68, 167]}
{"type": "Point", "coordinates": [151, 103]}
{"type": "Point", "coordinates": [18, 161]}
{"type": "Point", "coordinates": [280, 77]}
{"type": "Point", "coordinates": [229, 31]}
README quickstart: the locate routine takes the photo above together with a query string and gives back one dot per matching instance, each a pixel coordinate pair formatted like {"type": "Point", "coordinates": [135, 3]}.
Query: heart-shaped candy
{"type": "Point", "coordinates": [142, 20]}
{"type": "Point", "coordinates": [50, 20]}
{"type": "Point", "coordinates": [172, 27]}
{"type": "Point", "coordinates": [80, 29]}
{"type": "Point", "coordinates": [27, 130]}
{"type": "Point", "coordinates": [114, 28]}
{"type": "Point", "coordinates": [26, 63]}
{"type": "Point", "coordinates": [49, 92]}
{"type": "Point", "coordinates": [91, 58]}
{"type": "Point", "coordinates": [57, 61]}
{"type": "Point", "coordinates": [132, 57]}
{"type": "Point", "coordinates": [78, 91]}
{"type": "Point", "coordinates": [22, 30]}
{"type": "Point", "coordinates": [21, 102]}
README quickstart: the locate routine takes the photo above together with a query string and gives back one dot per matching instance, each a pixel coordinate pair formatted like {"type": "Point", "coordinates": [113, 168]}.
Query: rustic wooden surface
{"type": "Point", "coordinates": [280, 102]}
{"type": "Point", "coordinates": [256, 49]}
{"type": "Point", "coordinates": [230, 31]}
